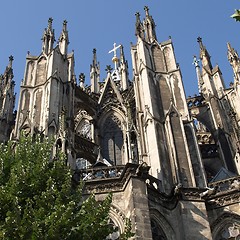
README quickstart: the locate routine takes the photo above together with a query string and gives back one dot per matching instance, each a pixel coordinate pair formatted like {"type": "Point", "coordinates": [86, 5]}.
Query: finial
{"type": "Point", "coordinates": [121, 49]}
{"type": "Point", "coordinates": [10, 60]}
{"type": "Point", "coordinates": [65, 25]}
{"type": "Point", "coordinates": [137, 14]}
{"type": "Point", "coordinates": [146, 9]}
{"type": "Point", "coordinates": [229, 46]}
{"type": "Point", "coordinates": [108, 68]}
{"type": "Point", "coordinates": [199, 40]}
{"type": "Point", "coordinates": [94, 64]}
{"type": "Point", "coordinates": [50, 20]}
{"type": "Point", "coordinates": [122, 57]}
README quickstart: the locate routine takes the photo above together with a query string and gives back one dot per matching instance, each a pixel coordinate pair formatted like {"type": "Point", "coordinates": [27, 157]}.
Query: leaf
{"type": "Point", "coordinates": [38, 201]}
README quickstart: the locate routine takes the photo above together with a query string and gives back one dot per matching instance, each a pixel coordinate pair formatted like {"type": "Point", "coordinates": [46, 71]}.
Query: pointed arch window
{"type": "Point", "coordinates": [112, 140]}
{"type": "Point", "coordinates": [41, 71]}
{"type": "Point", "coordinates": [229, 231]}
{"type": "Point", "coordinates": [157, 232]}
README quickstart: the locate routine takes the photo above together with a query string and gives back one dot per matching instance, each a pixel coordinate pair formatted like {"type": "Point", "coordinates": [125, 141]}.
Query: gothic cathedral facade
{"type": "Point", "coordinates": [171, 162]}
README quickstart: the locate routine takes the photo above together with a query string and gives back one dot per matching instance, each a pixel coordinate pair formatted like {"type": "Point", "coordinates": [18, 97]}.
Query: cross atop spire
{"type": "Point", "coordinates": [114, 50]}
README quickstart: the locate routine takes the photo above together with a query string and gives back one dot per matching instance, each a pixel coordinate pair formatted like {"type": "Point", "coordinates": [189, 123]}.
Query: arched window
{"type": "Point", "coordinates": [117, 221]}
{"type": "Point", "coordinates": [229, 231]}
{"type": "Point", "coordinates": [41, 71]}
{"type": "Point", "coordinates": [157, 232]}
{"type": "Point", "coordinates": [161, 229]}
{"type": "Point", "coordinates": [112, 140]}
{"type": "Point", "coordinates": [116, 234]}
{"type": "Point", "coordinates": [226, 227]}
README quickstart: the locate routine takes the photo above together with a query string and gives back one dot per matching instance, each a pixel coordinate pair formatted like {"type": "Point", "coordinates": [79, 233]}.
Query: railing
{"type": "Point", "coordinates": [196, 101]}
{"type": "Point", "coordinates": [101, 173]}
{"type": "Point", "coordinates": [226, 184]}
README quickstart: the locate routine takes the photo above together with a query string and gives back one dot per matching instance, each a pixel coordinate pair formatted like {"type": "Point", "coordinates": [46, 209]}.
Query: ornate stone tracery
{"type": "Point", "coordinates": [226, 227]}
{"type": "Point", "coordinates": [112, 139]}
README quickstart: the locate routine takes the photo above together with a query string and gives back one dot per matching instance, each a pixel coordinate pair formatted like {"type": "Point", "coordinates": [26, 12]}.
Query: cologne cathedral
{"type": "Point", "coordinates": [171, 162]}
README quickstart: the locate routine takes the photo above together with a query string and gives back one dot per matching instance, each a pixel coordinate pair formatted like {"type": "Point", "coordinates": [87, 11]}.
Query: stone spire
{"type": "Point", "coordinates": [8, 74]}
{"type": "Point", "coordinates": [233, 57]}
{"type": "Point", "coordinates": [234, 61]}
{"type": "Point", "coordinates": [7, 101]}
{"type": "Point", "coordinates": [149, 27]}
{"type": "Point", "coordinates": [10, 61]}
{"type": "Point", "coordinates": [204, 56]}
{"type": "Point", "coordinates": [198, 72]}
{"type": "Point", "coordinates": [63, 39]}
{"type": "Point", "coordinates": [139, 30]}
{"type": "Point", "coordinates": [95, 73]}
{"type": "Point", "coordinates": [48, 38]}
{"type": "Point", "coordinates": [123, 69]}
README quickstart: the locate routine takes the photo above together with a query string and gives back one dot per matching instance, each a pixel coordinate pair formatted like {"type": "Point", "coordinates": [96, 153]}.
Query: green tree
{"type": "Point", "coordinates": [38, 199]}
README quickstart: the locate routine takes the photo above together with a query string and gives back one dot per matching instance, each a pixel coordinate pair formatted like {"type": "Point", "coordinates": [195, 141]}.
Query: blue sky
{"type": "Point", "coordinates": [98, 24]}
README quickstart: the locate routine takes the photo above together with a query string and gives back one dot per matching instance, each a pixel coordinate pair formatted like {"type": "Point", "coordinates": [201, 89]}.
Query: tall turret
{"type": "Point", "coordinates": [63, 39]}
{"type": "Point", "coordinates": [7, 102]}
{"type": "Point", "coordinates": [218, 109]}
{"type": "Point", "coordinates": [139, 29]}
{"type": "Point", "coordinates": [162, 114]}
{"type": "Point", "coordinates": [149, 27]}
{"type": "Point", "coordinates": [211, 77]}
{"type": "Point", "coordinates": [204, 56]}
{"type": "Point", "coordinates": [234, 61]}
{"type": "Point", "coordinates": [95, 73]}
{"type": "Point", "coordinates": [123, 69]}
{"type": "Point", "coordinates": [48, 38]}
{"type": "Point", "coordinates": [198, 72]}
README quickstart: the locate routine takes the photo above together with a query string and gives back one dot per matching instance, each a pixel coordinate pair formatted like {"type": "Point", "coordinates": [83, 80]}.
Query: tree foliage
{"type": "Point", "coordinates": [38, 200]}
